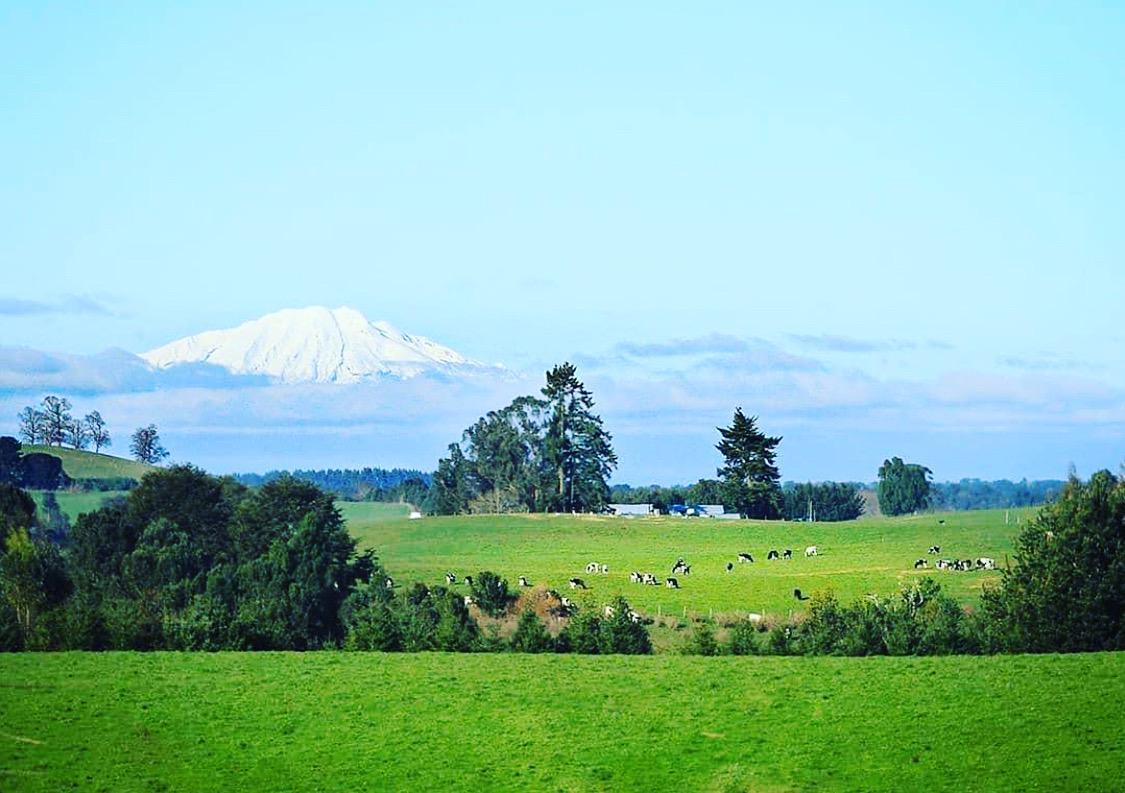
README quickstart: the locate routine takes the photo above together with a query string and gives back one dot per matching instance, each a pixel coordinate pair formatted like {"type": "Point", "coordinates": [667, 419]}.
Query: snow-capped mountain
{"type": "Point", "coordinates": [316, 345]}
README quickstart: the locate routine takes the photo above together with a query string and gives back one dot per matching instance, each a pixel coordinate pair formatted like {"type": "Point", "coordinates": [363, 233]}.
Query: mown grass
{"type": "Point", "coordinates": [79, 464]}
{"type": "Point", "coordinates": [855, 558]}
{"type": "Point", "coordinates": [359, 721]}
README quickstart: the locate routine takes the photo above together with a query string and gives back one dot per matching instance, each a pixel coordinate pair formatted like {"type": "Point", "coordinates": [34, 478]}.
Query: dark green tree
{"type": "Point", "coordinates": [578, 451]}
{"type": "Point", "coordinates": [903, 487]}
{"type": "Point", "coordinates": [531, 635]}
{"type": "Point", "coordinates": [749, 476]}
{"type": "Point", "coordinates": [1066, 591]}
{"type": "Point", "coordinates": [17, 510]}
{"type": "Point", "coordinates": [11, 461]}
{"type": "Point", "coordinates": [491, 594]}
{"type": "Point", "coordinates": [453, 484]}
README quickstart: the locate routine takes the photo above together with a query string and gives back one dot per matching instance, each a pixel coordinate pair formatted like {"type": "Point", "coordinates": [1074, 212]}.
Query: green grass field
{"type": "Point", "coordinates": [74, 504]}
{"type": "Point", "coordinates": [360, 721]}
{"type": "Point", "coordinates": [80, 464]}
{"type": "Point", "coordinates": [856, 558]}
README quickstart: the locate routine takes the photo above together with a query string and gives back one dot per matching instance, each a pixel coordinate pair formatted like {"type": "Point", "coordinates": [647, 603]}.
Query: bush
{"type": "Point", "coordinates": [702, 641]}
{"type": "Point", "coordinates": [491, 594]}
{"type": "Point", "coordinates": [531, 635]}
{"type": "Point", "coordinates": [1066, 590]}
{"type": "Point", "coordinates": [744, 639]}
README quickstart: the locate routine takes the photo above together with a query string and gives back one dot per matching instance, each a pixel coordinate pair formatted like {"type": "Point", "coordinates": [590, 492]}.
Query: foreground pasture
{"type": "Point", "coordinates": [365, 721]}
{"type": "Point", "coordinates": [855, 558]}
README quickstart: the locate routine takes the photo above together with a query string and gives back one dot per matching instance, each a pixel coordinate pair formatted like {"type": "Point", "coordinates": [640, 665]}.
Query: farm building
{"type": "Point", "coordinates": [710, 510]}
{"type": "Point", "coordinates": [626, 510]}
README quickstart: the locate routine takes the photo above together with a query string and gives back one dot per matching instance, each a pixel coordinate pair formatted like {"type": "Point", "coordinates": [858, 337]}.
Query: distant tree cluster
{"type": "Point", "coordinates": [550, 454]}
{"type": "Point", "coordinates": [362, 484]}
{"type": "Point", "coordinates": [903, 487]}
{"type": "Point", "coordinates": [998, 494]}
{"type": "Point", "coordinates": [705, 491]}
{"type": "Point", "coordinates": [822, 501]}
{"type": "Point", "coordinates": [53, 424]}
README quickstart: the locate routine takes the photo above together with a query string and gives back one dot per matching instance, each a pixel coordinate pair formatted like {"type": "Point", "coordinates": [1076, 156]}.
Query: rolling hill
{"type": "Point", "coordinates": [79, 464]}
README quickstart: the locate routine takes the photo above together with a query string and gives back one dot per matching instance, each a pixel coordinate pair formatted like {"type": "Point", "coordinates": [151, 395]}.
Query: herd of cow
{"type": "Point", "coordinates": [982, 563]}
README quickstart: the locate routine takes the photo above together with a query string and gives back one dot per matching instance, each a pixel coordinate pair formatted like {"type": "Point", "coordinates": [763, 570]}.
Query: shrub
{"type": "Point", "coordinates": [702, 641]}
{"type": "Point", "coordinates": [491, 594]}
{"type": "Point", "coordinates": [744, 639]}
{"type": "Point", "coordinates": [531, 635]}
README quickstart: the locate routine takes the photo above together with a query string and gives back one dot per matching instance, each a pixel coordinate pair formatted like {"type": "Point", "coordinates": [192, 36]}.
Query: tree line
{"type": "Point", "coordinates": [53, 424]}
{"type": "Point", "coordinates": [362, 484]}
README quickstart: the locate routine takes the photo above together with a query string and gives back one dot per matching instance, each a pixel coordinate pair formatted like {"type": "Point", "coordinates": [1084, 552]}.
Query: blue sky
{"type": "Point", "coordinates": [926, 203]}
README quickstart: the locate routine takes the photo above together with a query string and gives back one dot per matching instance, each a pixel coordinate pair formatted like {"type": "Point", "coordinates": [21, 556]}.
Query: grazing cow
{"type": "Point", "coordinates": [603, 569]}
{"type": "Point", "coordinates": [634, 617]}
{"type": "Point", "coordinates": [810, 551]}
{"type": "Point", "coordinates": [966, 564]}
{"type": "Point", "coordinates": [649, 578]}
{"type": "Point", "coordinates": [577, 583]}
{"type": "Point", "coordinates": [788, 554]}
{"type": "Point", "coordinates": [986, 563]}
{"type": "Point", "coordinates": [772, 555]}
{"type": "Point", "coordinates": [944, 564]}
{"type": "Point", "coordinates": [389, 582]}
{"type": "Point", "coordinates": [566, 602]}
{"type": "Point", "coordinates": [672, 583]}
{"type": "Point", "coordinates": [920, 563]}
{"type": "Point", "coordinates": [686, 569]}
{"type": "Point", "coordinates": [941, 522]}
{"type": "Point", "coordinates": [635, 577]}
{"type": "Point", "coordinates": [592, 567]}
{"type": "Point", "coordinates": [468, 580]}
{"type": "Point", "coordinates": [450, 579]}
{"type": "Point", "coordinates": [609, 612]}
{"type": "Point", "coordinates": [730, 566]}
{"type": "Point", "coordinates": [745, 557]}
{"type": "Point", "coordinates": [678, 567]}
{"type": "Point", "coordinates": [934, 549]}
{"type": "Point", "coordinates": [469, 600]}
{"type": "Point", "coordinates": [797, 594]}
{"type": "Point", "coordinates": [524, 581]}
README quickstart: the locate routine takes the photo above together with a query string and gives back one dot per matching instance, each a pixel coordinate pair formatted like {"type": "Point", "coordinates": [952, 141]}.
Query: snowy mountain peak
{"type": "Point", "coordinates": [315, 345]}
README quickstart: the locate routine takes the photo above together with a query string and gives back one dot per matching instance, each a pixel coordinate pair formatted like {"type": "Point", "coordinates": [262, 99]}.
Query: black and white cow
{"type": "Point", "coordinates": [745, 557]}
{"type": "Point", "coordinates": [603, 569]}
{"type": "Point", "coordinates": [650, 579]}
{"type": "Point", "coordinates": [672, 583]}
{"type": "Point", "coordinates": [934, 549]}
{"type": "Point", "coordinates": [920, 563]}
{"type": "Point", "coordinates": [772, 555]}
{"type": "Point", "coordinates": [986, 563]}
{"type": "Point", "coordinates": [389, 582]}
{"type": "Point", "coordinates": [787, 553]}
{"type": "Point", "coordinates": [450, 579]}
{"type": "Point", "coordinates": [524, 581]}
{"type": "Point", "coordinates": [592, 567]}
{"type": "Point", "coordinates": [797, 594]}
{"type": "Point", "coordinates": [944, 564]}
{"type": "Point", "coordinates": [730, 566]}
{"type": "Point", "coordinates": [468, 580]}
{"type": "Point", "coordinates": [634, 577]}
{"type": "Point", "coordinates": [810, 551]}
{"type": "Point", "coordinates": [577, 583]}
{"type": "Point", "coordinates": [678, 567]}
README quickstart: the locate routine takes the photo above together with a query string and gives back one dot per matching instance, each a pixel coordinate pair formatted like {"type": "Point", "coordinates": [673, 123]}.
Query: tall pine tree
{"type": "Point", "coordinates": [750, 479]}
{"type": "Point", "coordinates": [578, 450]}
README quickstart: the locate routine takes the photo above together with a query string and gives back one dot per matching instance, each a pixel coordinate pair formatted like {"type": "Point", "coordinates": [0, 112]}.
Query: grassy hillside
{"type": "Point", "coordinates": [80, 464]}
{"type": "Point", "coordinates": [372, 512]}
{"type": "Point", "coordinates": [873, 555]}
{"type": "Point", "coordinates": [358, 721]}
{"type": "Point", "coordinates": [74, 504]}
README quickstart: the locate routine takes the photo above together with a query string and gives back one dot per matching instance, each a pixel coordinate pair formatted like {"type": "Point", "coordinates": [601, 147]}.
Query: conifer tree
{"type": "Point", "coordinates": [750, 479]}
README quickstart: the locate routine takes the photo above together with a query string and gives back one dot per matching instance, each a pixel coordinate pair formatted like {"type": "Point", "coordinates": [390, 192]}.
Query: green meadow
{"type": "Point", "coordinates": [79, 464]}
{"type": "Point", "coordinates": [855, 558]}
{"type": "Point", "coordinates": [366, 721]}
{"type": "Point", "coordinates": [74, 504]}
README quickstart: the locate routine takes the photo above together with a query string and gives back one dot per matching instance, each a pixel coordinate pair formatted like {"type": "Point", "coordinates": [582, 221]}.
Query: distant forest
{"type": "Point", "coordinates": [363, 484]}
